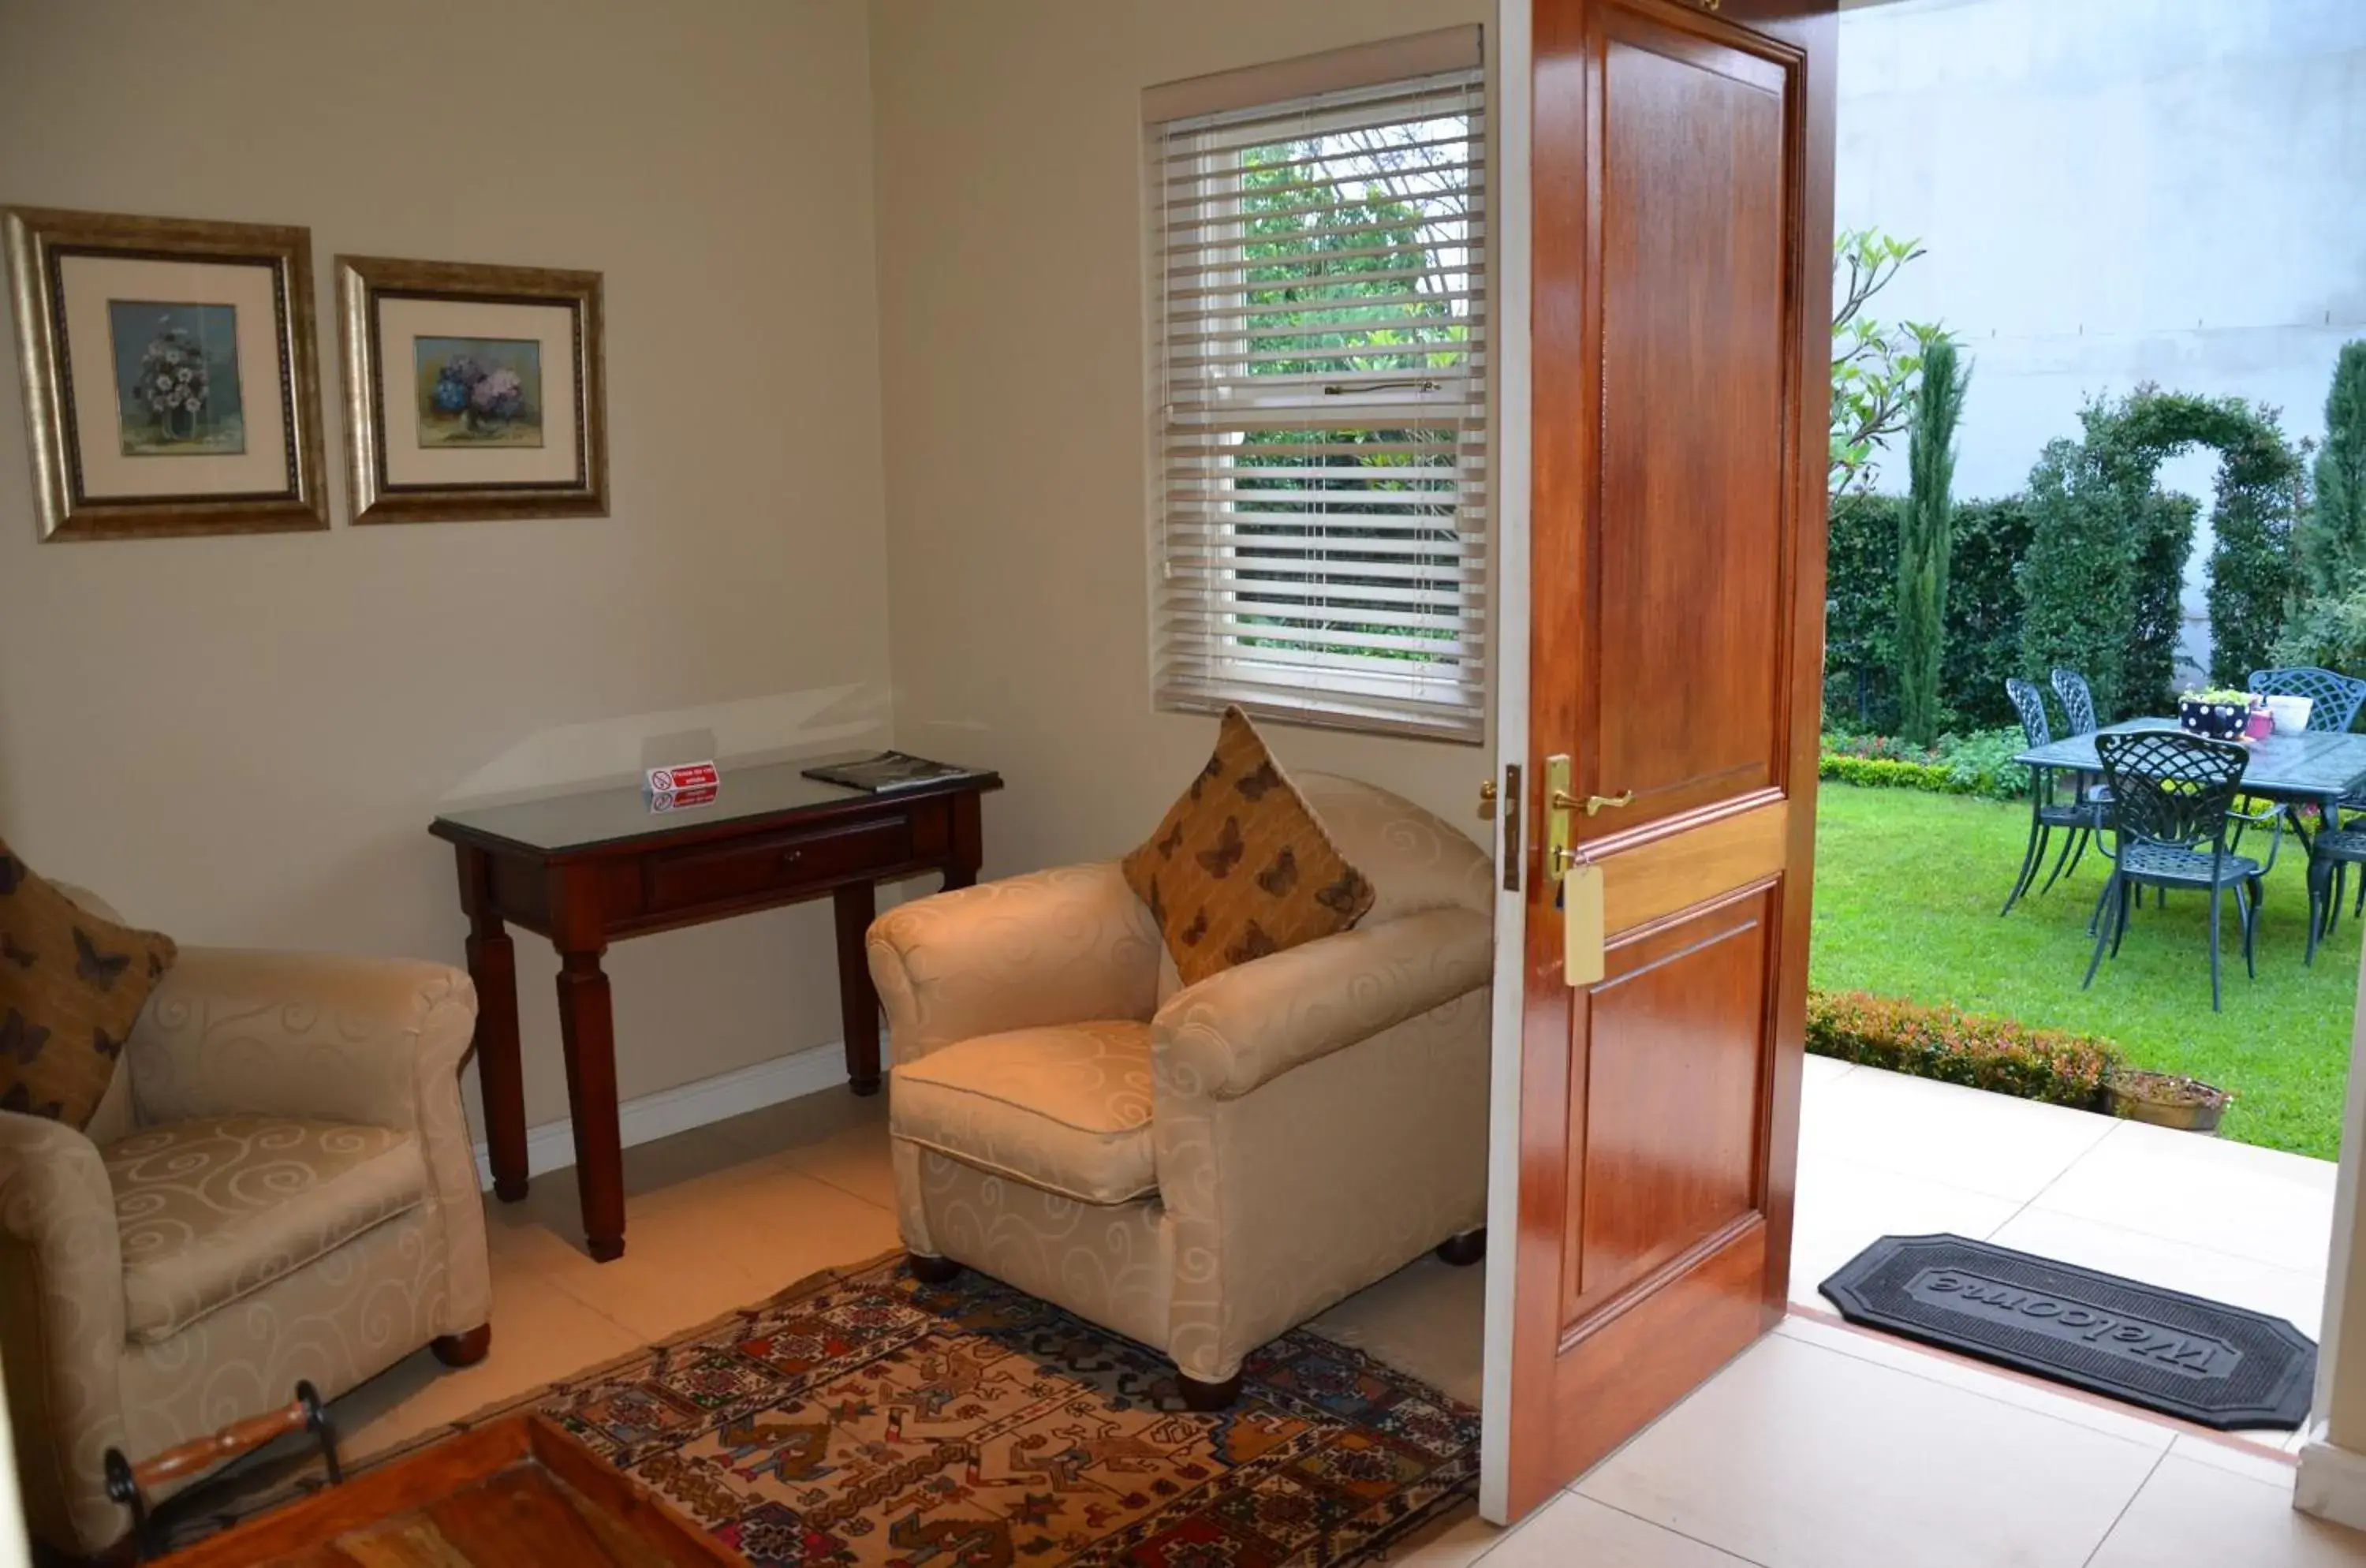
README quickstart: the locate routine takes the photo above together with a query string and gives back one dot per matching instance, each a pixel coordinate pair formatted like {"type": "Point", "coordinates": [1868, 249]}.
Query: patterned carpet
{"type": "Point", "coordinates": [864, 1419]}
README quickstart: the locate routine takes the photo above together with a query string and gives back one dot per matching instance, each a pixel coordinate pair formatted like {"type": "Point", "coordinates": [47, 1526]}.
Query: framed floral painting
{"type": "Point", "coordinates": [472, 391]}
{"type": "Point", "coordinates": [169, 374]}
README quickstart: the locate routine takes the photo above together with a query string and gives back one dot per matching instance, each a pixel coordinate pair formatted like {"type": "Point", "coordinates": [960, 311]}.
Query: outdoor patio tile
{"type": "Point", "coordinates": [1969, 1138]}
{"type": "Point", "coordinates": [2258, 1204]}
{"type": "Point", "coordinates": [2185, 1266]}
{"type": "Point", "coordinates": [2278, 1472]}
{"type": "Point", "coordinates": [2189, 1515]}
{"type": "Point", "coordinates": [1799, 1457]}
{"type": "Point", "coordinates": [1845, 1205]}
{"type": "Point", "coordinates": [1825, 1069]}
{"type": "Point", "coordinates": [2040, 1398]}
{"type": "Point", "coordinates": [1574, 1529]}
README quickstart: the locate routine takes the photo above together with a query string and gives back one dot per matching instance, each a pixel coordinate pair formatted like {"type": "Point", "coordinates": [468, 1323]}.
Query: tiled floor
{"type": "Point", "coordinates": [1819, 1448]}
{"type": "Point", "coordinates": [1882, 1154]}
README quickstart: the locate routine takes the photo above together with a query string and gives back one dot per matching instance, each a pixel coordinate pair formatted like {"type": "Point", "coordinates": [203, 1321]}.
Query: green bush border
{"type": "Point", "coordinates": [1973, 1049]}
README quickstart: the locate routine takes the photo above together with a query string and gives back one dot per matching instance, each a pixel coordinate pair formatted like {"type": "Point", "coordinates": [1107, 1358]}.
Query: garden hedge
{"type": "Point", "coordinates": [1984, 606]}
{"type": "Point", "coordinates": [1958, 1047]}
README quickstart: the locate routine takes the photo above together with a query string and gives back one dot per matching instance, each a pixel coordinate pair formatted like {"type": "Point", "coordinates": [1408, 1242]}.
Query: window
{"type": "Point", "coordinates": [1321, 505]}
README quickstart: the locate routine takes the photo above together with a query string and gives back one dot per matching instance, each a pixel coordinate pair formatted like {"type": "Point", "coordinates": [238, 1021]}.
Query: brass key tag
{"type": "Point", "coordinates": [1581, 924]}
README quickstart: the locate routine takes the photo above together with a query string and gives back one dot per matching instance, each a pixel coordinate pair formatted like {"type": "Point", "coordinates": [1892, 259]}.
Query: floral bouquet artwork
{"type": "Point", "coordinates": [176, 379]}
{"type": "Point", "coordinates": [479, 391]}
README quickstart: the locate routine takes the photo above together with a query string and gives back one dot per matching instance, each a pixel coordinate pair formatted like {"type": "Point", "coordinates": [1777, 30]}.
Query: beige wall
{"type": "Point", "coordinates": [243, 740]}
{"type": "Point", "coordinates": [1012, 283]}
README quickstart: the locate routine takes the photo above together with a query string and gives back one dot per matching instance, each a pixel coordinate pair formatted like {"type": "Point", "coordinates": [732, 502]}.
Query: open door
{"type": "Point", "coordinates": [1682, 159]}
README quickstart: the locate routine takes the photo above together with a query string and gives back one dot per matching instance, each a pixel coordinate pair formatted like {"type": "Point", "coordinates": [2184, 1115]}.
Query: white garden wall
{"type": "Point", "coordinates": [2114, 191]}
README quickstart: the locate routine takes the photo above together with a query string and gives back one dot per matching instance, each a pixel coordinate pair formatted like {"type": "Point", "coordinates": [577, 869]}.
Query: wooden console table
{"type": "Point", "coordinates": [591, 868]}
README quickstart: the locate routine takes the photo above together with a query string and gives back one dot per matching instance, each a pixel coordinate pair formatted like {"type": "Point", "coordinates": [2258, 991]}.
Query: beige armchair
{"type": "Point", "coordinates": [277, 1185]}
{"type": "Point", "coordinates": [1198, 1168]}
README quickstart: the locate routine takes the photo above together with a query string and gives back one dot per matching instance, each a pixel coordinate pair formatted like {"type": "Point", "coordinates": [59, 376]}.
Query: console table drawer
{"type": "Point", "coordinates": [689, 879]}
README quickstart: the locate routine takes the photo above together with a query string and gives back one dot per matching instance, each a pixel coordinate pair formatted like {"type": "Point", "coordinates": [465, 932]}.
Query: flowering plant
{"type": "Point", "coordinates": [173, 377]}
{"type": "Point", "coordinates": [499, 396]}
{"type": "Point", "coordinates": [482, 396]}
{"type": "Point", "coordinates": [454, 382]}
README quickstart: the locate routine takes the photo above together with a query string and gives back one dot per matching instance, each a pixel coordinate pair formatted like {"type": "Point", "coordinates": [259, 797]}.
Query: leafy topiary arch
{"type": "Point", "coordinates": [2108, 550]}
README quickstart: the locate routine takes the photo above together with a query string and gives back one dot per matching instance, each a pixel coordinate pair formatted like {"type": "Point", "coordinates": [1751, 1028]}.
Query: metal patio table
{"type": "Point", "coordinates": [2310, 768]}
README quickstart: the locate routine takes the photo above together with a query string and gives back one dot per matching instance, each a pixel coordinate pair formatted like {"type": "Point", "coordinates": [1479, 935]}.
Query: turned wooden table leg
{"type": "Point", "coordinates": [501, 1076]}
{"type": "Point", "coordinates": [587, 1027]}
{"type": "Point", "coordinates": [858, 1000]}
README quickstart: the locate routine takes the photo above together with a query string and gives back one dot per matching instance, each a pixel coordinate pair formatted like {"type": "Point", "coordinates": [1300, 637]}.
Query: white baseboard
{"type": "Point", "coordinates": [2332, 1484]}
{"type": "Point", "coordinates": [551, 1146]}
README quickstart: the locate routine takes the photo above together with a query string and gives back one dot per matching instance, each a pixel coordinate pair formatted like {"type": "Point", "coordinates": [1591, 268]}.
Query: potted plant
{"type": "Point", "coordinates": [2218, 712]}
{"type": "Point", "coordinates": [2163, 1100]}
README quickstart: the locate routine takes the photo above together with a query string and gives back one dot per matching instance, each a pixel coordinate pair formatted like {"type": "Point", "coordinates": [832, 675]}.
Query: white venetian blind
{"type": "Point", "coordinates": [1322, 504]}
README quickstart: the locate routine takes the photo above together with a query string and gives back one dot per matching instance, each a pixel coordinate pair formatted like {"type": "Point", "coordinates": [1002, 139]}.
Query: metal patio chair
{"type": "Point", "coordinates": [2078, 701]}
{"type": "Point", "coordinates": [2170, 795]}
{"type": "Point", "coordinates": [2080, 818]}
{"type": "Point", "coordinates": [2334, 698]}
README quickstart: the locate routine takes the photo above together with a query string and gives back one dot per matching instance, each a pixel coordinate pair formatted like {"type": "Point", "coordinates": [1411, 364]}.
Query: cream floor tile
{"type": "Point", "coordinates": [701, 1248]}
{"type": "Point", "coordinates": [1574, 1530]}
{"type": "Point", "coordinates": [833, 1136]}
{"type": "Point", "coordinates": [1460, 1539]}
{"type": "Point", "coordinates": [786, 1226]}
{"type": "Point", "coordinates": [2263, 1204]}
{"type": "Point", "coordinates": [1799, 1457]}
{"type": "Point", "coordinates": [1843, 1205]}
{"type": "Point", "coordinates": [1427, 1320]}
{"type": "Point", "coordinates": [2174, 1265]}
{"type": "Point", "coordinates": [1903, 1354]}
{"type": "Point", "coordinates": [1969, 1139]}
{"type": "Point", "coordinates": [540, 1334]}
{"type": "Point", "coordinates": [2200, 1516]}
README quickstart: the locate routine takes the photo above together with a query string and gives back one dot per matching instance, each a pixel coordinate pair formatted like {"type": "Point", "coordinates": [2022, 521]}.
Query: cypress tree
{"type": "Point", "coordinates": [1923, 537]}
{"type": "Point", "coordinates": [2333, 546]}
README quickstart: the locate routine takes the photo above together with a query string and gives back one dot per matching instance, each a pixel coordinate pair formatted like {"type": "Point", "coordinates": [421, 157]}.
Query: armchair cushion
{"type": "Point", "coordinates": [1065, 1109]}
{"type": "Point", "coordinates": [1240, 867]}
{"type": "Point", "coordinates": [211, 1211]}
{"type": "Point", "coordinates": [1226, 1035]}
{"type": "Point", "coordinates": [72, 983]}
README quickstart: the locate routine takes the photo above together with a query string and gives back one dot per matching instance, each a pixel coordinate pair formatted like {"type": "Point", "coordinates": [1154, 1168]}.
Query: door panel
{"type": "Point", "coordinates": [1682, 188]}
{"type": "Point", "coordinates": [1670, 1099]}
{"type": "Point", "coordinates": [1689, 545]}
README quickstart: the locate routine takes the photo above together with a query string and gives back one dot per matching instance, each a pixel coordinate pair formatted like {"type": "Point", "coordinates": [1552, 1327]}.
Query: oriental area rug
{"type": "Point", "coordinates": [864, 1418]}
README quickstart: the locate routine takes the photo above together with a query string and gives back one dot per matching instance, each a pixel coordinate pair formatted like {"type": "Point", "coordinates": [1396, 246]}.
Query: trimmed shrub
{"type": "Point", "coordinates": [1984, 612]}
{"type": "Point", "coordinates": [1954, 1046]}
{"type": "Point", "coordinates": [1886, 773]}
{"type": "Point", "coordinates": [1979, 764]}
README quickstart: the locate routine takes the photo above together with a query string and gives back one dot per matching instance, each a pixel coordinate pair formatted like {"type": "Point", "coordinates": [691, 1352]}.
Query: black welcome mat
{"type": "Point", "coordinates": [2203, 1362]}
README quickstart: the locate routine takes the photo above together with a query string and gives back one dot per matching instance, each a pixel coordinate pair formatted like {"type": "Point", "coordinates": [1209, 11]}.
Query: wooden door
{"type": "Point", "coordinates": [1683, 233]}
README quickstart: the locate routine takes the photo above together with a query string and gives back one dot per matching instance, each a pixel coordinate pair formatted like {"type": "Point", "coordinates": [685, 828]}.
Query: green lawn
{"type": "Point", "coordinates": [1907, 890]}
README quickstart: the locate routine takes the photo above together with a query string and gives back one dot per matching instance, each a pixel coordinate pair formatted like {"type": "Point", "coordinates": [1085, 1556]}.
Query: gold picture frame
{"type": "Point", "coordinates": [472, 393]}
{"type": "Point", "coordinates": [170, 375]}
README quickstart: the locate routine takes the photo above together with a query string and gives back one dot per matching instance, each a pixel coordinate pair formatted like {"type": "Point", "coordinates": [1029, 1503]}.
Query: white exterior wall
{"type": "Point", "coordinates": [2112, 192]}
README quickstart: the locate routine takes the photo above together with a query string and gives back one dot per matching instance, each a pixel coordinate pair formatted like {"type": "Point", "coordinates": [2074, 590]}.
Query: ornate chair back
{"type": "Point", "coordinates": [2334, 699]}
{"type": "Point", "coordinates": [2028, 702]}
{"type": "Point", "coordinates": [2170, 787]}
{"type": "Point", "coordinates": [2078, 702]}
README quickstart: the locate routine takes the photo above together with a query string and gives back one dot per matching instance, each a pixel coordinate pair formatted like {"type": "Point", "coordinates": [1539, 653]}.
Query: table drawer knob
{"type": "Point", "coordinates": [791, 857]}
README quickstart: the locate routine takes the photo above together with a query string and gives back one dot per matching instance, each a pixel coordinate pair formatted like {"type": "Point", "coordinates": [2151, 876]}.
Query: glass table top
{"type": "Point", "coordinates": [556, 823]}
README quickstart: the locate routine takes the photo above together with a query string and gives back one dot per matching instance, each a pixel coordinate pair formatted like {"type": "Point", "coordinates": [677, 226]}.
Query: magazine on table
{"type": "Point", "coordinates": [889, 772]}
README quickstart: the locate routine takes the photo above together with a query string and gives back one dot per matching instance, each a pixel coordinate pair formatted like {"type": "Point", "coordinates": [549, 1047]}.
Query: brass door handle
{"type": "Point", "coordinates": [1594, 803]}
{"type": "Point", "coordinates": [1487, 800]}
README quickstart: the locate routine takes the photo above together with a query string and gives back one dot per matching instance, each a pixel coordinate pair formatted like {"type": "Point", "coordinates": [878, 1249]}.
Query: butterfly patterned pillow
{"type": "Point", "coordinates": [71, 986]}
{"type": "Point", "coordinates": [1241, 866]}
